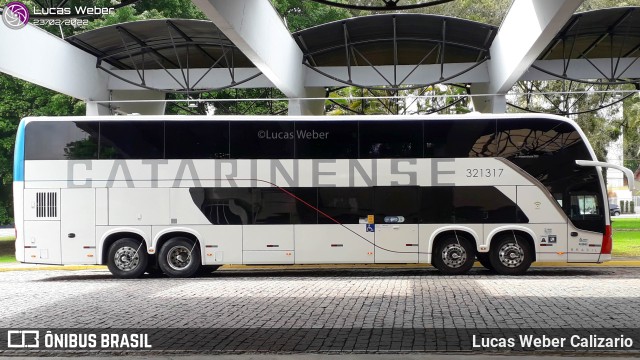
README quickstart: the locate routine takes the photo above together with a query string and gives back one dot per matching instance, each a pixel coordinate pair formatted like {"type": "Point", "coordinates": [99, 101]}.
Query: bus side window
{"type": "Point", "coordinates": [345, 205]}
{"type": "Point", "coordinates": [326, 139]}
{"type": "Point", "coordinates": [399, 204]}
{"type": "Point", "coordinates": [197, 139]}
{"type": "Point", "coordinates": [261, 140]}
{"type": "Point", "coordinates": [390, 139]}
{"type": "Point", "coordinates": [583, 206]}
{"type": "Point", "coordinates": [460, 138]}
{"type": "Point", "coordinates": [131, 140]}
{"type": "Point", "coordinates": [284, 206]}
{"type": "Point", "coordinates": [62, 140]}
{"type": "Point", "coordinates": [224, 206]}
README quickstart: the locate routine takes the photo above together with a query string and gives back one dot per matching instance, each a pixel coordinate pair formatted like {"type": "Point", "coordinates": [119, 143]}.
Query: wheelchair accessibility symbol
{"type": "Point", "coordinates": [371, 228]}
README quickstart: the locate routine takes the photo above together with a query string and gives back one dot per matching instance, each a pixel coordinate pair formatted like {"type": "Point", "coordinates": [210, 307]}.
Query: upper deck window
{"type": "Point", "coordinates": [61, 140]}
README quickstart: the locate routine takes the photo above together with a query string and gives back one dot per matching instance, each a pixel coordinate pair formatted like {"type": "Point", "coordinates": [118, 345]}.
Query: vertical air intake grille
{"type": "Point", "coordinates": [46, 204]}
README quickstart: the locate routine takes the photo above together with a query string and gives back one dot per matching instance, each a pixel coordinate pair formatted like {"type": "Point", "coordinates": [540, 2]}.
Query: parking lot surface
{"type": "Point", "coordinates": [318, 310]}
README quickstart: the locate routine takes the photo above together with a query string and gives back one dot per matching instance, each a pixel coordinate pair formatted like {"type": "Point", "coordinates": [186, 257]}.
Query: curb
{"type": "Point", "coordinates": [30, 267]}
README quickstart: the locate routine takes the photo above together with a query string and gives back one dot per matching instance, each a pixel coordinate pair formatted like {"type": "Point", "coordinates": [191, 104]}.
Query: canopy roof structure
{"type": "Point", "coordinates": [247, 45]}
{"type": "Point", "coordinates": [383, 4]}
{"type": "Point", "coordinates": [610, 34]}
{"type": "Point", "coordinates": [164, 44]}
{"type": "Point", "coordinates": [395, 39]}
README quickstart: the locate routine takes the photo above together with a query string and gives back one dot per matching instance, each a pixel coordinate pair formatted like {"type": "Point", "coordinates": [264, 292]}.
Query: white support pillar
{"type": "Point", "coordinates": [139, 106]}
{"type": "Point", "coordinates": [308, 107]}
{"type": "Point", "coordinates": [94, 108]}
{"type": "Point", "coordinates": [258, 31]}
{"type": "Point", "coordinates": [489, 104]}
{"type": "Point", "coordinates": [142, 107]}
{"type": "Point", "coordinates": [40, 58]}
{"type": "Point", "coordinates": [526, 30]}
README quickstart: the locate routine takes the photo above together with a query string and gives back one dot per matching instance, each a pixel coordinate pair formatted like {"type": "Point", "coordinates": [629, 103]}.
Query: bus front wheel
{"type": "Point", "coordinates": [179, 257]}
{"type": "Point", "coordinates": [511, 255]}
{"type": "Point", "coordinates": [454, 255]}
{"type": "Point", "coordinates": [127, 258]}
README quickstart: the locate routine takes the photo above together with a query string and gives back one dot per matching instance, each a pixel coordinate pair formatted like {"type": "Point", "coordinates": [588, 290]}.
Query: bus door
{"type": "Point", "coordinates": [584, 239]}
{"type": "Point", "coordinates": [77, 227]}
{"type": "Point", "coordinates": [396, 224]}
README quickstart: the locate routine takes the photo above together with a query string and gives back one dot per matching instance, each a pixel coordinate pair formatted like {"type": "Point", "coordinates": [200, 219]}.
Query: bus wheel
{"type": "Point", "coordinates": [179, 257]}
{"type": "Point", "coordinates": [127, 258]}
{"type": "Point", "coordinates": [453, 255]}
{"type": "Point", "coordinates": [484, 260]}
{"type": "Point", "coordinates": [511, 255]}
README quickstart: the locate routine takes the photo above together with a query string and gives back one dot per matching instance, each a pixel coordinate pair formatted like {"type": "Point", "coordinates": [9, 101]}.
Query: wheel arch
{"type": "Point", "coordinates": [169, 233]}
{"type": "Point", "coordinates": [440, 233]}
{"type": "Point", "coordinates": [527, 233]}
{"type": "Point", "coordinates": [113, 235]}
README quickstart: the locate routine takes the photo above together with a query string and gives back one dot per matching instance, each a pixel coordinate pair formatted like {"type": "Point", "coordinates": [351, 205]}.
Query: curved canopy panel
{"type": "Point", "coordinates": [391, 5]}
{"type": "Point", "coordinates": [385, 42]}
{"type": "Point", "coordinates": [607, 40]}
{"type": "Point", "coordinates": [167, 44]}
{"type": "Point", "coordinates": [567, 97]}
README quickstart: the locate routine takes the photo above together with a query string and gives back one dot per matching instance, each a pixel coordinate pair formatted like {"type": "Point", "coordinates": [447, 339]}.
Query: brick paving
{"type": "Point", "coordinates": [323, 309]}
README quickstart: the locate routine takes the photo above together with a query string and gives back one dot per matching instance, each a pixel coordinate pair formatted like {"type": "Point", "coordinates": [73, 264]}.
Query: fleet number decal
{"type": "Point", "coordinates": [484, 173]}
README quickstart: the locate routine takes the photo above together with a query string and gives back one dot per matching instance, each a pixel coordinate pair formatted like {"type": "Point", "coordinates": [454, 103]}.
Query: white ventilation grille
{"type": "Point", "coordinates": [46, 205]}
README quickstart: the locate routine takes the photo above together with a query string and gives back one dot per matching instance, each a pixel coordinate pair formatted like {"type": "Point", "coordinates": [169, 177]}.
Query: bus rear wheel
{"type": "Point", "coordinates": [127, 258]}
{"type": "Point", "coordinates": [511, 255]}
{"type": "Point", "coordinates": [454, 255]}
{"type": "Point", "coordinates": [179, 257]}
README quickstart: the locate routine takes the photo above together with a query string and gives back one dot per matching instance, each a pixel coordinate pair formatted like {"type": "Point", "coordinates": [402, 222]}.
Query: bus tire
{"type": "Point", "coordinates": [179, 257]}
{"type": "Point", "coordinates": [484, 260]}
{"type": "Point", "coordinates": [511, 255]}
{"type": "Point", "coordinates": [453, 255]}
{"type": "Point", "coordinates": [207, 269]}
{"type": "Point", "coordinates": [127, 258]}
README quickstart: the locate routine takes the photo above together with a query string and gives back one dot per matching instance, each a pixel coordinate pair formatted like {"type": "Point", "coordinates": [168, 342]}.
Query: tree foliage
{"type": "Point", "coordinates": [631, 130]}
{"type": "Point", "coordinates": [19, 99]}
{"type": "Point", "coordinates": [302, 14]}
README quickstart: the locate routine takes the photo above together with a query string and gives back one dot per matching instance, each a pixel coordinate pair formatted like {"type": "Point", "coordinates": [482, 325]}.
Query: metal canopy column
{"type": "Point", "coordinates": [53, 63]}
{"type": "Point", "coordinates": [257, 30]}
{"type": "Point", "coordinates": [38, 57]}
{"type": "Point", "coordinates": [525, 32]}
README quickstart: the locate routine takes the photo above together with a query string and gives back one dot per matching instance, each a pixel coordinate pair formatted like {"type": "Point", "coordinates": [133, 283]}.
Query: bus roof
{"type": "Point", "coordinates": [297, 118]}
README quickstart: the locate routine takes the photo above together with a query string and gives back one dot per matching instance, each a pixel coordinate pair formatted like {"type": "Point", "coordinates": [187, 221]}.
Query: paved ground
{"type": "Point", "coordinates": [324, 310]}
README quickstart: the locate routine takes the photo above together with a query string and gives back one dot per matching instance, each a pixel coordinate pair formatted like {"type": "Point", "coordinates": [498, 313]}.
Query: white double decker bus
{"type": "Point", "coordinates": [183, 195]}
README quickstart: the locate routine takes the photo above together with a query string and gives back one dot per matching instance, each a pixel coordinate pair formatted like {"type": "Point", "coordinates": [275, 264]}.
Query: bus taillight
{"type": "Point", "coordinates": [607, 241]}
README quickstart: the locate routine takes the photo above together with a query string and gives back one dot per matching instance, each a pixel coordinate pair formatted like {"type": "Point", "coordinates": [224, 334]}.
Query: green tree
{"type": "Point", "coordinates": [19, 99]}
{"type": "Point", "coordinates": [631, 131]}
{"type": "Point", "coordinates": [302, 14]}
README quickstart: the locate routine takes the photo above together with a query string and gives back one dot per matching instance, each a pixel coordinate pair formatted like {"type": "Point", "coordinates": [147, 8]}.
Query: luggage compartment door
{"type": "Point", "coordinates": [77, 226]}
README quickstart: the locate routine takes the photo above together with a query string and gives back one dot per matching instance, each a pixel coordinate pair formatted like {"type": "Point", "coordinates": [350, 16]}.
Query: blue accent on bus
{"type": "Point", "coordinates": [18, 154]}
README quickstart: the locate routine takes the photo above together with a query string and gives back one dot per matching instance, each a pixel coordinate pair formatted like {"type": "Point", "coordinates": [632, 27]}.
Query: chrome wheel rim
{"type": "Point", "coordinates": [454, 255]}
{"type": "Point", "coordinates": [511, 255]}
{"type": "Point", "coordinates": [179, 257]}
{"type": "Point", "coordinates": [126, 258]}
